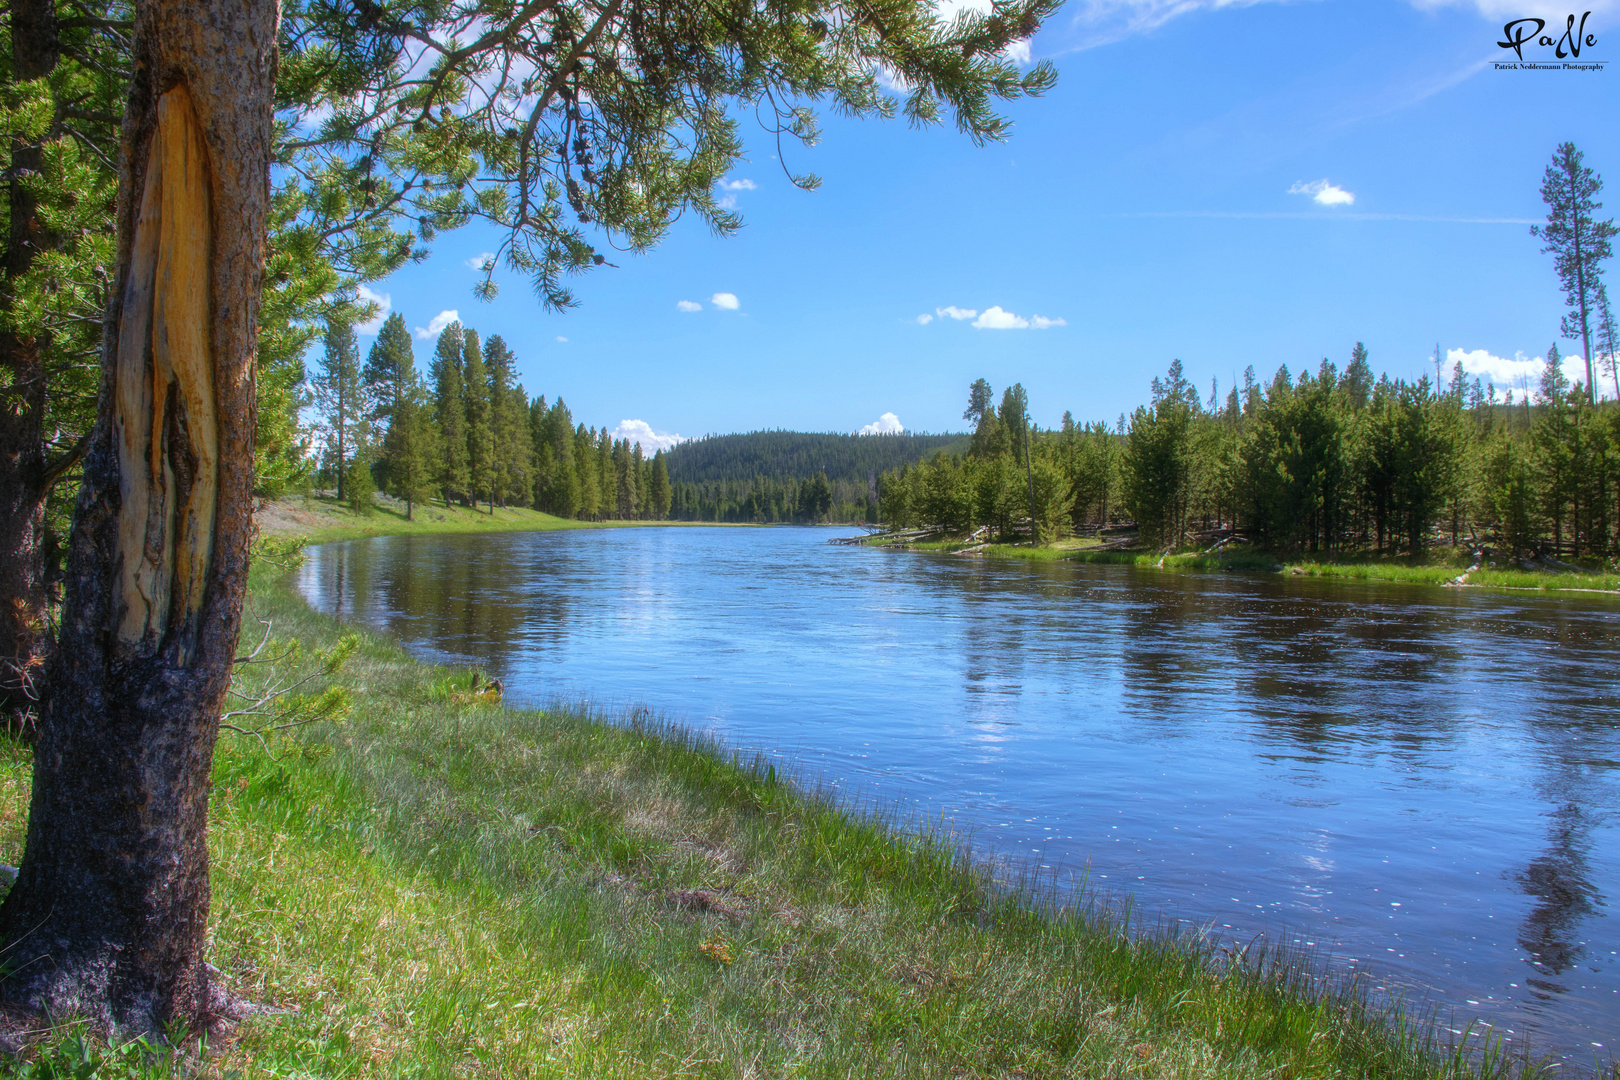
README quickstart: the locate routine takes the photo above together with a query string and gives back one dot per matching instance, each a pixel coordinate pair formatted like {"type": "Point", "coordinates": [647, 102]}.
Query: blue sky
{"type": "Point", "coordinates": [1184, 192]}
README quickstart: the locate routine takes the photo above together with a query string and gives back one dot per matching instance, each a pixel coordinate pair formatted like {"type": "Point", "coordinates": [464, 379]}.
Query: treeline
{"type": "Point", "coordinates": [794, 455]}
{"type": "Point", "coordinates": [469, 434]}
{"type": "Point", "coordinates": [790, 476]}
{"type": "Point", "coordinates": [1326, 461]}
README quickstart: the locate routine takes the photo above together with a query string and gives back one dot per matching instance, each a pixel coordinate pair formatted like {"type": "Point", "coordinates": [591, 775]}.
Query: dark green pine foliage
{"type": "Point", "coordinates": [480, 417]}
{"type": "Point", "coordinates": [411, 453]}
{"type": "Point", "coordinates": [450, 416]}
{"type": "Point", "coordinates": [389, 367]}
{"type": "Point", "coordinates": [340, 400]}
{"type": "Point", "coordinates": [658, 489]}
{"type": "Point", "coordinates": [1322, 462]}
{"type": "Point", "coordinates": [512, 455]}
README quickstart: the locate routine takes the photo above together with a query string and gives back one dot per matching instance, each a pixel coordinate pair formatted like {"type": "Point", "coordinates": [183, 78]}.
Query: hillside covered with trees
{"type": "Point", "coordinates": [791, 475]}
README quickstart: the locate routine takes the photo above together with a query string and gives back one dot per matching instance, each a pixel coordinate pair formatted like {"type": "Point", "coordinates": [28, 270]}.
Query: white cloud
{"type": "Point", "coordinates": [887, 424]}
{"type": "Point", "coordinates": [1041, 322]}
{"type": "Point", "coordinates": [1520, 374]}
{"type": "Point", "coordinates": [728, 202]}
{"type": "Point", "coordinates": [436, 326]}
{"type": "Point", "coordinates": [482, 261]}
{"type": "Point", "coordinates": [725, 300]}
{"type": "Point", "coordinates": [641, 432]}
{"type": "Point", "coordinates": [924, 319]}
{"type": "Point", "coordinates": [738, 185]}
{"type": "Point", "coordinates": [1324, 193]}
{"type": "Point", "coordinates": [996, 319]}
{"type": "Point", "coordinates": [953, 312]}
{"type": "Point", "coordinates": [688, 305]}
{"type": "Point", "coordinates": [1018, 52]}
{"type": "Point", "coordinates": [562, 339]}
{"type": "Point", "coordinates": [384, 303]}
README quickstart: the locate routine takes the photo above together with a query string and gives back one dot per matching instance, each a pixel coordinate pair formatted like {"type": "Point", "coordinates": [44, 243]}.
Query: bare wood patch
{"type": "Point", "coordinates": [166, 425]}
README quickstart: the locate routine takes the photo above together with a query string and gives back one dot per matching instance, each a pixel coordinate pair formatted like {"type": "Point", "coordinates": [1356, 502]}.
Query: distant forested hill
{"type": "Point", "coordinates": [800, 455]}
{"type": "Point", "coordinates": [775, 476]}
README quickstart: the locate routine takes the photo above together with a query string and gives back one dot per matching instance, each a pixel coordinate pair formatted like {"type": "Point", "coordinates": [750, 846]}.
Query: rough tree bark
{"type": "Point", "coordinates": [35, 50]}
{"type": "Point", "coordinates": [107, 919]}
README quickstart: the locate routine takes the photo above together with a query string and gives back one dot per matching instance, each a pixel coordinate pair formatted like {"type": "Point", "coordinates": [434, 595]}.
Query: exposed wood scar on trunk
{"type": "Point", "coordinates": [165, 424]}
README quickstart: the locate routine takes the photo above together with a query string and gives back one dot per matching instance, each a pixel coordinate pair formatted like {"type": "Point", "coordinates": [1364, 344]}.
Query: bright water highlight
{"type": "Point", "coordinates": [1422, 782]}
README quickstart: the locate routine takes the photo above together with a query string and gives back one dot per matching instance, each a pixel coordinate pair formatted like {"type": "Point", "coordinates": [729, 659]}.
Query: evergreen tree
{"type": "Point", "coordinates": [658, 490]}
{"type": "Point", "coordinates": [450, 415]}
{"type": "Point", "coordinates": [607, 476]}
{"type": "Point", "coordinates": [389, 366]}
{"type": "Point", "coordinates": [1158, 459]}
{"type": "Point", "coordinates": [1357, 383]}
{"type": "Point", "coordinates": [512, 446]}
{"type": "Point", "coordinates": [587, 476]}
{"type": "Point", "coordinates": [410, 450]}
{"type": "Point", "coordinates": [480, 416]}
{"type": "Point", "coordinates": [1578, 242]}
{"type": "Point", "coordinates": [340, 399]}
{"type": "Point", "coordinates": [1551, 439]}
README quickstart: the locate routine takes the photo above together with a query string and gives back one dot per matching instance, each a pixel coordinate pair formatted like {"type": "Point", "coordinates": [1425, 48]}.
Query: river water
{"type": "Point", "coordinates": [1418, 783]}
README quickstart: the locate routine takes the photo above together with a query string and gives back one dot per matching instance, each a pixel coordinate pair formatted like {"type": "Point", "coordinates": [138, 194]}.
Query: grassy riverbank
{"type": "Point", "coordinates": [1443, 566]}
{"type": "Point", "coordinates": [435, 885]}
{"type": "Point", "coordinates": [322, 519]}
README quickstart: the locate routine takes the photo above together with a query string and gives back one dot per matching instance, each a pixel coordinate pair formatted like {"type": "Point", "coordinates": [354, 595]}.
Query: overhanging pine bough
{"type": "Point", "coordinates": [548, 119]}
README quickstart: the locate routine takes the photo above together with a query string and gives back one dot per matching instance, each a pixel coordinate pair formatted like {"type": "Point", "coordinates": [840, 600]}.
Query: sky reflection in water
{"type": "Point", "coordinates": [1423, 781]}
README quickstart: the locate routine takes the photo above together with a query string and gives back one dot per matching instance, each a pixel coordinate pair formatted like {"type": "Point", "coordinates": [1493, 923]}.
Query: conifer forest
{"type": "Point", "coordinates": [1325, 461]}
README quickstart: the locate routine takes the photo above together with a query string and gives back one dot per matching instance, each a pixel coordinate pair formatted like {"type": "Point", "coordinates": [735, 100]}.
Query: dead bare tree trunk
{"type": "Point", "coordinates": [108, 916]}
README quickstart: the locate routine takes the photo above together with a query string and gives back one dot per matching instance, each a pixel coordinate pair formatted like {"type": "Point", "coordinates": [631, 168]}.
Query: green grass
{"type": "Point", "coordinates": [436, 885]}
{"type": "Point", "coordinates": [1442, 567]}
{"type": "Point", "coordinates": [320, 520]}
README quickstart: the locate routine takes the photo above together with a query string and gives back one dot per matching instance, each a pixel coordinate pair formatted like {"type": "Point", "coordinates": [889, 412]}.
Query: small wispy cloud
{"type": "Point", "coordinates": [997, 318]}
{"type": "Point", "coordinates": [561, 340]}
{"type": "Point", "coordinates": [743, 184]}
{"type": "Point", "coordinates": [1324, 193]}
{"type": "Point", "coordinates": [688, 305]}
{"type": "Point", "coordinates": [725, 301]}
{"type": "Point", "coordinates": [384, 303]}
{"type": "Point", "coordinates": [887, 424]}
{"type": "Point", "coordinates": [481, 262]}
{"type": "Point", "coordinates": [994, 318]}
{"type": "Point", "coordinates": [436, 325]}
{"type": "Point", "coordinates": [642, 433]}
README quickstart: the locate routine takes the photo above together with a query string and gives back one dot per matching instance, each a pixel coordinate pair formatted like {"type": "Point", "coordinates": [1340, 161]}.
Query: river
{"type": "Point", "coordinates": [1415, 782]}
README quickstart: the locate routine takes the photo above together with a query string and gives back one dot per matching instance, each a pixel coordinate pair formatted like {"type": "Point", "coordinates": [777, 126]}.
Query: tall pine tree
{"type": "Point", "coordinates": [480, 434]}
{"type": "Point", "coordinates": [339, 397]}
{"type": "Point", "coordinates": [450, 415]}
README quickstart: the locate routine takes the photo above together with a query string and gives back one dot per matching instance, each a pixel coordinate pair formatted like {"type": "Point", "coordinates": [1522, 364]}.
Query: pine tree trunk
{"type": "Point", "coordinates": [108, 916]}
{"type": "Point", "coordinates": [35, 50]}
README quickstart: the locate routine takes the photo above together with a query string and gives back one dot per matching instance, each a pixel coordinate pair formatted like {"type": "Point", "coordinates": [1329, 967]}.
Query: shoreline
{"type": "Point", "coordinates": [1455, 574]}
{"type": "Point", "coordinates": [429, 879]}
